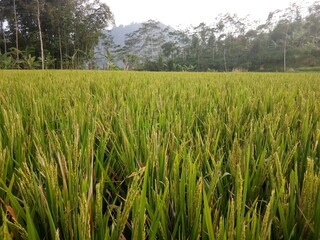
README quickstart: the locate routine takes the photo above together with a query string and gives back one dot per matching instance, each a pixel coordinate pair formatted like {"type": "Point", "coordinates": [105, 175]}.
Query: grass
{"type": "Point", "coordinates": [128, 155]}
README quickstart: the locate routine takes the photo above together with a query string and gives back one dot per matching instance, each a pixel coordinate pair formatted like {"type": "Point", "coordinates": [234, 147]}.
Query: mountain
{"type": "Point", "coordinates": [118, 34]}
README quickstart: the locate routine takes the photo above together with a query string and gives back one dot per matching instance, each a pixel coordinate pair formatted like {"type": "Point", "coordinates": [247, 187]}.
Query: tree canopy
{"type": "Point", "coordinates": [69, 30]}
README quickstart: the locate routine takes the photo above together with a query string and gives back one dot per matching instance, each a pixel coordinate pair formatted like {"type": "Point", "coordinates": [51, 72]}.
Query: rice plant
{"type": "Point", "coordinates": [138, 155]}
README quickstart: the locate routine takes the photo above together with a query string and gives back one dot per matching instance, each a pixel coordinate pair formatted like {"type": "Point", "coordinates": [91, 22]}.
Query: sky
{"type": "Point", "coordinates": [183, 13]}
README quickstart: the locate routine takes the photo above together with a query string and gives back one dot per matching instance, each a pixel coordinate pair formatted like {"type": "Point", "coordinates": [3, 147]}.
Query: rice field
{"type": "Point", "coordinates": [137, 155]}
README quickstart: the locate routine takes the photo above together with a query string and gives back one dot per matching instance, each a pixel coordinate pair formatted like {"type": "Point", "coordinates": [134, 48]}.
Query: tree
{"type": "Point", "coordinates": [130, 61]}
{"type": "Point", "coordinates": [147, 40]}
{"type": "Point", "coordinates": [169, 49]}
{"type": "Point", "coordinates": [16, 28]}
{"type": "Point", "coordinates": [2, 19]}
{"type": "Point", "coordinates": [106, 51]}
{"type": "Point", "coordinates": [182, 40]}
{"type": "Point", "coordinates": [40, 33]}
{"type": "Point", "coordinates": [199, 45]}
{"type": "Point", "coordinates": [286, 26]}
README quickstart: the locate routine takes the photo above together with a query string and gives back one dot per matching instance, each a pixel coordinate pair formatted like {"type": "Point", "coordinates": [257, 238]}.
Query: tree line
{"type": "Point", "coordinates": [50, 33]}
{"type": "Point", "coordinates": [288, 40]}
{"type": "Point", "coordinates": [63, 34]}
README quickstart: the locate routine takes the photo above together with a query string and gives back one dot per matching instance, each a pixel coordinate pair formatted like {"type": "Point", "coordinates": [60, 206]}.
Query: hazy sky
{"type": "Point", "coordinates": [186, 12]}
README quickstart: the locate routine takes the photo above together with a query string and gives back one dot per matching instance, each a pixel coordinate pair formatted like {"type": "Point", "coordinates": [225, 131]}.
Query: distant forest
{"type": "Point", "coordinates": [64, 34]}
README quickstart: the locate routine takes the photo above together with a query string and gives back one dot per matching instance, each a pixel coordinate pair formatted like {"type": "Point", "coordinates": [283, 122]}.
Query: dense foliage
{"type": "Point", "coordinates": [127, 155]}
{"type": "Point", "coordinates": [69, 30]}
